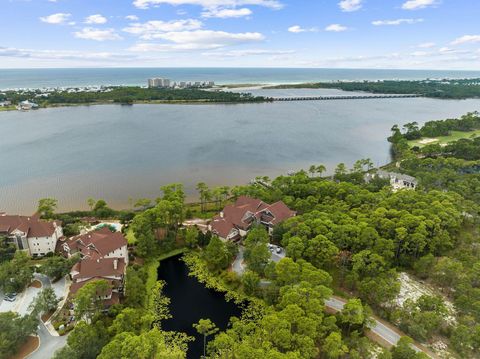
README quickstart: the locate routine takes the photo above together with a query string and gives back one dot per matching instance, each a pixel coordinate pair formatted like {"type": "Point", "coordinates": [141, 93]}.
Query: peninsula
{"type": "Point", "coordinates": [443, 89]}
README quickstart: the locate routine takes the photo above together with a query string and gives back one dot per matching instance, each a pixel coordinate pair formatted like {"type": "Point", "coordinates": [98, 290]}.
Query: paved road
{"type": "Point", "coordinates": [48, 344]}
{"type": "Point", "coordinates": [388, 334]}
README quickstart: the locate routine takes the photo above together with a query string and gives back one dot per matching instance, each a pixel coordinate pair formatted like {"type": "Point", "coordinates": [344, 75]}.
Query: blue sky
{"type": "Point", "coordinates": [421, 34]}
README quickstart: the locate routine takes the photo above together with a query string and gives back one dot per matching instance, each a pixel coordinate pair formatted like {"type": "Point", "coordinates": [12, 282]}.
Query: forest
{"type": "Point", "coordinates": [444, 89]}
{"type": "Point", "coordinates": [128, 95]}
{"type": "Point", "coordinates": [353, 238]}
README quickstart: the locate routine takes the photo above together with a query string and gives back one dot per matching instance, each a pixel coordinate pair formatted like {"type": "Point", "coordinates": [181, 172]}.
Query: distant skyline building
{"type": "Point", "coordinates": [159, 82]}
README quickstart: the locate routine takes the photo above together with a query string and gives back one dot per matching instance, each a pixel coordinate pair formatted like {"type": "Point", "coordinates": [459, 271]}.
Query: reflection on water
{"type": "Point", "coordinates": [118, 152]}
{"type": "Point", "coordinates": [192, 301]}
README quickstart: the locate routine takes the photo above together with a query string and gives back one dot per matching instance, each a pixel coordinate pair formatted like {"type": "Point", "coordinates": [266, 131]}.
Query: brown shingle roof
{"type": "Point", "coordinates": [103, 267]}
{"type": "Point", "coordinates": [236, 215]}
{"type": "Point", "coordinates": [33, 226]}
{"type": "Point", "coordinates": [97, 243]}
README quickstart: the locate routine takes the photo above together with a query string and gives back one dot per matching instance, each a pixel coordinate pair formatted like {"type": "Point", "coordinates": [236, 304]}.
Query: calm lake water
{"type": "Point", "coordinates": [121, 152]}
{"type": "Point", "coordinates": [192, 301]}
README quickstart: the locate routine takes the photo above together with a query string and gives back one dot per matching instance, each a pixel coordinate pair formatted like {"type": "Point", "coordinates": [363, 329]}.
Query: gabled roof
{"type": "Point", "coordinates": [101, 267]}
{"type": "Point", "coordinates": [243, 212]}
{"type": "Point", "coordinates": [98, 243]}
{"type": "Point", "coordinates": [33, 226]}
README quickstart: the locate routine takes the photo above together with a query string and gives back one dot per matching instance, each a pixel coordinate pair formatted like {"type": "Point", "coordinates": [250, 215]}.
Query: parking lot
{"type": "Point", "coordinates": [278, 253]}
{"type": "Point", "coordinates": [23, 300]}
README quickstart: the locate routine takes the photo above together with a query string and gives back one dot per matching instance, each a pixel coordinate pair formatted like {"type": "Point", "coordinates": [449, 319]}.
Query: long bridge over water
{"type": "Point", "coordinates": [355, 97]}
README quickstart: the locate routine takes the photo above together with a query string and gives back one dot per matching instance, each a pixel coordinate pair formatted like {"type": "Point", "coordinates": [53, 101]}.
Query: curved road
{"type": "Point", "coordinates": [387, 334]}
{"type": "Point", "coordinates": [49, 344]}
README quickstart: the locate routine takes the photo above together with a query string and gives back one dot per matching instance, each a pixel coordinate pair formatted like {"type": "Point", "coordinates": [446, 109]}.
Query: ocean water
{"type": "Point", "coordinates": [122, 152]}
{"type": "Point", "coordinates": [38, 78]}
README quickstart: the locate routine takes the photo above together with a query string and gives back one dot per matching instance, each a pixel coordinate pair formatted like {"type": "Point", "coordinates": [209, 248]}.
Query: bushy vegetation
{"type": "Point", "coordinates": [448, 89]}
{"type": "Point", "coordinates": [131, 94]}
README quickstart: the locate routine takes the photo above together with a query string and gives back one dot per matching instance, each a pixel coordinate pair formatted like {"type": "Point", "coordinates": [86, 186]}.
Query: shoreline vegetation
{"type": "Point", "coordinates": [124, 95]}
{"type": "Point", "coordinates": [441, 89]}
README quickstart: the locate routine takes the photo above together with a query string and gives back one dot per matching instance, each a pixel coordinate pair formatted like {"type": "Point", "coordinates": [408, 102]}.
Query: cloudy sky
{"type": "Point", "coordinates": [422, 34]}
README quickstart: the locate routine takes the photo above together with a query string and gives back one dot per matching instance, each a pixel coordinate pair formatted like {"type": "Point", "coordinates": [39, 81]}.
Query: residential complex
{"type": "Point", "coordinates": [234, 222]}
{"type": "Point", "coordinates": [30, 233]}
{"type": "Point", "coordinates": [104, 255]}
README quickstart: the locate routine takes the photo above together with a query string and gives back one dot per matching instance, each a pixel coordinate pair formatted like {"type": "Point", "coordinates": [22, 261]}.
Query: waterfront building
{"type": "Point", "coordinates": [234, 221]}
{"type": "Point", "coordinates": [31, 234]}
{"type": "Point", "coordinates": [104, 255]}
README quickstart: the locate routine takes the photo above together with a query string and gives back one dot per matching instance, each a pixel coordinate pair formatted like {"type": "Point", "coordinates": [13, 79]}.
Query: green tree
{"type": "Point", "coordinates": [7, 249]}
{"type": "Point", "coordinates": [143, 203]}
{"type": "Point", "coordinates": [14, 330]}
{"type": "Point", "coordinates": [333, 346]}
{"type": "Point", "coordinates": [217, 254]}
{"type": "Point", "coordinates": [46, 207]}
{"type": "Point", "coordinates": [256, 252]}
{"type": "Point", "coordinates": [135, 291]}
{"type": "Point", "coordinates": [191, 237]}
{"type": "Point", "coordinates": [88, 301]}
{"type": "Point", "coordinates": [46, 301]}
{"type": "Point", "coordinates": [250, 281]}
{"type": "Point", "coordinates": [57, 267]}
{"type": "Point", "coordinates": [205, 327]}
{"type": "Point", "coordinates": [85, 341]}
{"type": "Point", "coordinates": [16, 274]}
{"type": "Point", "coordinates": [91, 203]}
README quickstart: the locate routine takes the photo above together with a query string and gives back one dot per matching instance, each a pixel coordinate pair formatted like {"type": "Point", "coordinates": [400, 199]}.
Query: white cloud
{"type": "Point", "coordinates": [336, 28]}
{"type": "Point", "coordinates": [95, 19]}
{"type": "Point", "coordinates": [151, 29]}
{"type": "Point", "coordinates": [350, 5]}
{"type": "Point", "coordinates": [418, 4]}
{"type": "Point", "coordinates": [396, 22]}
{"type": "Point", "coordinates": [90, 33]}
{"type": "Point", "coordinates": [198, 40]}
{"type": "Point", "coordinates": [248, 52]}
{"type": "Point", "coordinates": [63, 54]}
{"type": "Point", "coordinates": [426, 45]}
{"type": "Point", "coordinates": [227, 13]}
{"type": "Point", "coordinates": [57, 19]}
{"type": "Point", "coordinates": [209, 4]}
{"type": "Point", "coordinates": [132, 17]}
{"type": "Point", "coordinates": [466, 39]}
{"type": "Point", "coordinates": [296, 29]}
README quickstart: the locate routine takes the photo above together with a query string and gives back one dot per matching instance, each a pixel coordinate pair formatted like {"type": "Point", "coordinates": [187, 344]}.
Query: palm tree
{"type": "Point", "coordinates": [320, 169]}
{"type": "Point", "coordinates": [202, 189]}
{"type": "Point", "coordinates": [205, 327]}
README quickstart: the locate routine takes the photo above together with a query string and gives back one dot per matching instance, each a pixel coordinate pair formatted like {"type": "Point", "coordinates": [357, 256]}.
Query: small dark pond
{"type": "Point", "coordinates": [192, 301]}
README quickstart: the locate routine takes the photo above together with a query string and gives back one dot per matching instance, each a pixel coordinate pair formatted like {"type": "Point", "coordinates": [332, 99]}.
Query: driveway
{"type": "Point", "coordinates": [48, 344]}
{"type": "Point", "coordinates": [238, 265]}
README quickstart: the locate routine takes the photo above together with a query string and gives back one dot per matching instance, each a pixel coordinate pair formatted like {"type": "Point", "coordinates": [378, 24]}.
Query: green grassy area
{"type": "Point", "coordinates": [130, 236]}
{"type": "Point", "coordinates": [151, 269]}
{"type": "Point", "coordinates": [7, 108]}
{"type": "Point", "coordinates": [172, 253]}
{"type": "Point", "coordinates": [454, 136]}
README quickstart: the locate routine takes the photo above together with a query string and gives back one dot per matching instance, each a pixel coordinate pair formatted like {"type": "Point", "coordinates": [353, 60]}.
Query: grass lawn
{"type": "Point", "coordinates": [130, 237]}
{"type": "Point", "coordinates": [7, 108]}
{"type": "Point", "coordinates": [454, 136]}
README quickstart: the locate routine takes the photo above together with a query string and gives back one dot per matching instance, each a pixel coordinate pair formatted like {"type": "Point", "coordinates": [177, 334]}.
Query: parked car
{"type": "Point", "coordinates": [279, 250]}
{"type": "Point", "coordinates": [11, 297]}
